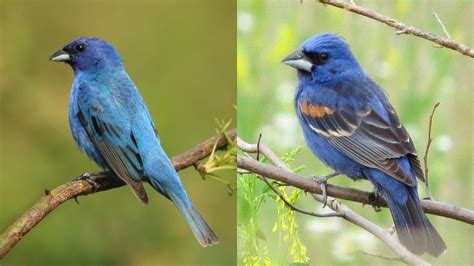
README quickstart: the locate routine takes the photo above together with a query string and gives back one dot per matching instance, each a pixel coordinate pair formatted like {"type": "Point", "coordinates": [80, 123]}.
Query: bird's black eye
{"type": "Point", "coordinates": [80, 47]}
{"type": "Point", "coordinates": [317, 58]}
{"type": "Point", "coordinates": [323, 57]}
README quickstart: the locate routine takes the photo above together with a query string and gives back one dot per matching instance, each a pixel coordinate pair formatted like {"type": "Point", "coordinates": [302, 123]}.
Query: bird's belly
{"type": "Point", "coordinates": [331, 156]}
{"type": "Point", "coordinates": [84, 142]}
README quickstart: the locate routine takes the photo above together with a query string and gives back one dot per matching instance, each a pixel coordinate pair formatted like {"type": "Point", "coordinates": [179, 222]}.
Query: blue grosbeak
{"type": "Point", "coordinates": [350, 125]}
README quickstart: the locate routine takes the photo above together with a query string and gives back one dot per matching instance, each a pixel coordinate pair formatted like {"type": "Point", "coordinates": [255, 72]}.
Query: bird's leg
{"type": "Point", "coordinates": [323, 181]}
{"type": "Point", "coordinates": [374, 197]}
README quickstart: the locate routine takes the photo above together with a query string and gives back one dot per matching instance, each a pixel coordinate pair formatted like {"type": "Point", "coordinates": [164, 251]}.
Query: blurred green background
{"type": "Point", "coordinates": [414, 73]}
{"type": "Point", "coordinates": [181, 55]}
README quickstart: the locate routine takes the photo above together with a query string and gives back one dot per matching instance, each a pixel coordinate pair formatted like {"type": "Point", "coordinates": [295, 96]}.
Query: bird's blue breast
{"type": "Point", "coordinates": [323, 149]}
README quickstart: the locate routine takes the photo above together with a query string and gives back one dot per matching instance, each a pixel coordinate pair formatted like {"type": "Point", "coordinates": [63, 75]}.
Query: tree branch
{"type": "Point", "coordinates": [351, 194]}
{"type": "Point", "coordinates": [401, 27]}
{"type": "Point", "coordinates": [403, 254]}
{"type": "Point", "coordinates": [104, 181]}
{"type": "Point", "coordinates": [288, 177]}
{"type": "Point", "coordinates": [339, 209]}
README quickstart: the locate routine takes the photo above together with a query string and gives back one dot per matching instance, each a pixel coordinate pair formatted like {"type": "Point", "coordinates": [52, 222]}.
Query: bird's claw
{"type": "Point", "coordinates": [323, 182]}
{"type": "Point", "coordinates": [374, 197]}
{"type": "Point", "coordinates": [89, 178]}
{"type": "Point", "coordinates": [83, 176]}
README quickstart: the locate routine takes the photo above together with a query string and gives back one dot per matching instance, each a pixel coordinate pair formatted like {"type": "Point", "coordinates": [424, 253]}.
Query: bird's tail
{"type": "Point", "coordinates": [201, 230]}
{"type": "Point", "coordinates": [414, 230]}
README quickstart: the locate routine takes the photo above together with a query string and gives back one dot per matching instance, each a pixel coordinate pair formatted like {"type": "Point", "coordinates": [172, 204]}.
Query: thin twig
{"type": "Point", "coordinates": [258, 146]}
{"type": "Point", "coordinates": [401, 27]}
{"type": "Point", "coordinates": [293, 207]}
{"type": "Point", "coordinates": [425, 157]}
{"type": "Point", "coordinates": [380, 256]}
{"type": "Point", "coordinates": [439, 20]}
{"type": "Point", "coordinates": [349, 215]}
{"type": "Point", "coordinates": [263, 149]}
{"type": "Point", "coordinates": [104, 181]}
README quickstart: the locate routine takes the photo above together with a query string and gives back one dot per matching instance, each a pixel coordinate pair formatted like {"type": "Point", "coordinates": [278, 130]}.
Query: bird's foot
{"type": "Point", "coordinates": [374, 197]}
{"type": "Point", "coordinates": [323, 182]}
{"type": "Point", "coordinates": [89, 178]}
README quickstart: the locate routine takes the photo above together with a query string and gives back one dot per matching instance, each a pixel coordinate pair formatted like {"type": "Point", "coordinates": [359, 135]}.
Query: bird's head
{"type": "Point", "coordinates": [323, 57]}
{"type": "Point", "coordinates": [88, 54]}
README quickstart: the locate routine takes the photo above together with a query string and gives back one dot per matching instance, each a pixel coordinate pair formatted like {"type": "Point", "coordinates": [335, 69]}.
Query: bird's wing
{"type": "Point", "coordinates": [365, 136]}
{"type": "Point", "coordinates": [114, 140]}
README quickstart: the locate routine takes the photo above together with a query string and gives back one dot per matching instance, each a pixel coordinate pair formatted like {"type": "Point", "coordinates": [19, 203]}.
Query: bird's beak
{"type": "Point", "coordinates": [299, 61]}
{"type": "Point", "coordinates": [60, 56]}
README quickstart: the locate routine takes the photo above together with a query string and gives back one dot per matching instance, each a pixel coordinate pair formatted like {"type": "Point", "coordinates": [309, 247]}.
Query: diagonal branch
{"type": "Point", "coordinates": [401, 27]}
{"type": "Point", "coordinates": [346, 213]}
{"type": "Point", "coordinates": [104, 181]}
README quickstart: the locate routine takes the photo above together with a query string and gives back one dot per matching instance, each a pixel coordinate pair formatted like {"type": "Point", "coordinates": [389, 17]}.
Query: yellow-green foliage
{"type": "Point", "coordinates": [286, 225]}
{"type": "Point", "coordinates": [221, 161]}
{"type": "Point", "coordinates": [253, 193]}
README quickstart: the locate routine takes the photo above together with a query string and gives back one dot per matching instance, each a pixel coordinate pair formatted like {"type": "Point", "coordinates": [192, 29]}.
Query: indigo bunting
{"type": "Point", "coordinates": [111, 123]}
{"type": "Point", "coordinates": [350, 125]}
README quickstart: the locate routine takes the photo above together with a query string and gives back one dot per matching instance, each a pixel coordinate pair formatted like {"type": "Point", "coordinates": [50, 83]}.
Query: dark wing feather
{"type": "Point", "coordinates": [365, 137]}
{"type": "Point", "coordinates": [118, 148]}
{"type": "Point", "coordinates": [403, 133]}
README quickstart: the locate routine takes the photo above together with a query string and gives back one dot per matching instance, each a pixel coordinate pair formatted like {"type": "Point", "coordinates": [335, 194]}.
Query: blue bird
{"type": "Point", "coordinates": [350, 125]}
{"type": "Point", "coordinates": [111, 123]}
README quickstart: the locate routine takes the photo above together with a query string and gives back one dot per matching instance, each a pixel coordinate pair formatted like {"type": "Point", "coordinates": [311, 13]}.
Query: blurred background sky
{"type": "Point", "coordinates": [415, 75]}
{"type": "Point", "coordinates": [181, 55]}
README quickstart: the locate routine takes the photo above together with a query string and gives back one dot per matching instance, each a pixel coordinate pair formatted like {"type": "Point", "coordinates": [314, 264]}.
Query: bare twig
{"type": "Point", "coordinates": [425, 157]}
{"type": "Point", "coordinates": [401, 27]}
{"type": "Point", "coordinates": [263, 149]}
{"type": "Point", "coordinates": [402, 253]}
{"type": "Point", "coordinates": [380, 256]}
{"type": "Point", "coordinates": [439, 20]}
{"type": "Point", "coordinates": [258, 146]}
{"type": "Point", "coordinates": [293, 207]}
{"type": "Point", "coordinates": [104, 181]}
